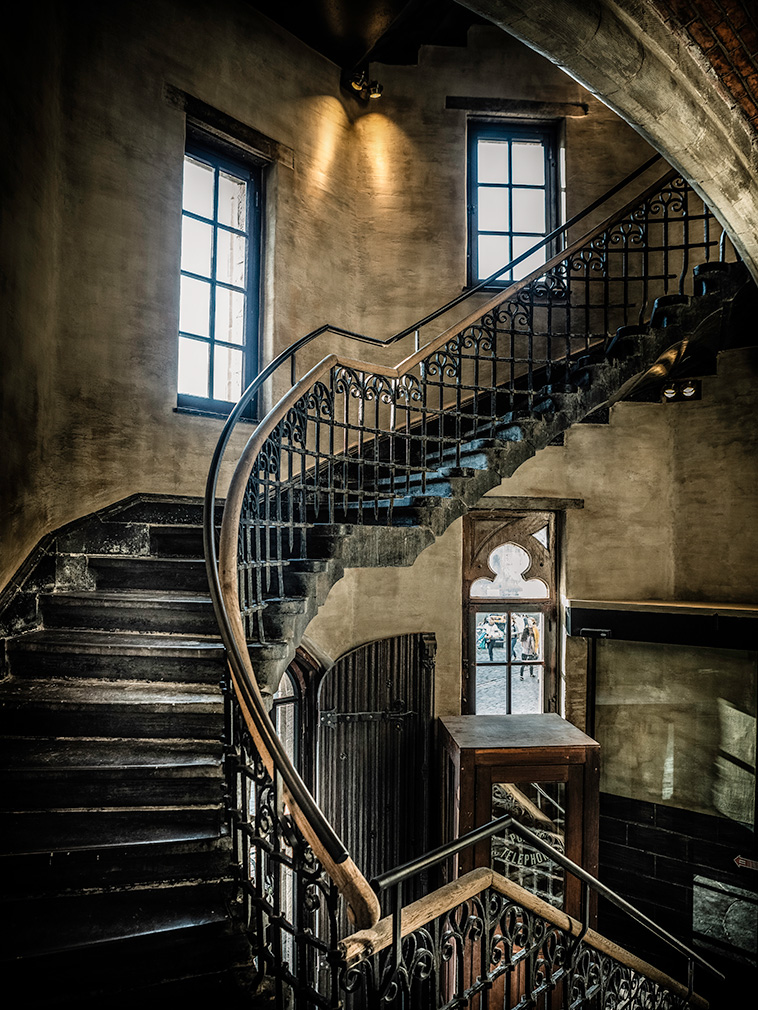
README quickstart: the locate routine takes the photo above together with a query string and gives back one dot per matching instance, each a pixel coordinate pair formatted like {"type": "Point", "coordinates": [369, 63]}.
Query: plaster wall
{"type": "Point", "coordinates": [364, 227]}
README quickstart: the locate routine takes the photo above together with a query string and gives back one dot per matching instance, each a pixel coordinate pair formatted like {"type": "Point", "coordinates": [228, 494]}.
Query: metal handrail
{"type": "Point", "coordinates": [314, 826]}
{"type": "Point", "coordinates": [264, 726]}
{"type": "Point", "coordinates": [398, 875]}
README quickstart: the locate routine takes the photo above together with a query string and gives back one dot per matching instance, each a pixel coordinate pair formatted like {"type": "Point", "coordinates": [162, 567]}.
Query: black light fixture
{"type": "Point", "coordinates": [358, 81]}
{"type": "Point", "coordinates": [682, 389]}
{"type": "Point", "coordinates": [359, 85]}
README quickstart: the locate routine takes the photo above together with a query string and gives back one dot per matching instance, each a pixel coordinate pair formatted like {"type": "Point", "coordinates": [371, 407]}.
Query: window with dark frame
{"type": "Point", "coordinates": [513, 194]}
{"type": "Point", "coordinates": [510, 612]}
{"type": "Point", "coordinates": [220, 276]}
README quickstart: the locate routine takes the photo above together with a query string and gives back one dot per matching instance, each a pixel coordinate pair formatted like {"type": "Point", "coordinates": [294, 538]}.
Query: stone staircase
{"type": "Point", "coordinates": [685, 332]}
{"type": "Point", "coordinates": [115, 859]}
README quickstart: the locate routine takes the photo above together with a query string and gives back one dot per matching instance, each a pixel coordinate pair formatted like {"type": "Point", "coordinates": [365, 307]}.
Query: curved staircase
{"type": "Point", "coordinates": [122, 876]}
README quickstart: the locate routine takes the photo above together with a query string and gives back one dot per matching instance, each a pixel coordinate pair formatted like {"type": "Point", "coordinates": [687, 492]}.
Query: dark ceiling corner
{"type": "Point", "coordinates": [352, 34]}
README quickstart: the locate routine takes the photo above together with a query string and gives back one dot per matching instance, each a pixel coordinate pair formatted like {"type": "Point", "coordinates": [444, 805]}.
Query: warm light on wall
{"type": "Point", "coordinates": [330, 141]}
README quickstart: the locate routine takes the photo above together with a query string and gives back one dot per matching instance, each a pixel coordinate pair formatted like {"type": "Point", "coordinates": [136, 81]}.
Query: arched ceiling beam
{"type": "Point", "coordinates": [661, 84]}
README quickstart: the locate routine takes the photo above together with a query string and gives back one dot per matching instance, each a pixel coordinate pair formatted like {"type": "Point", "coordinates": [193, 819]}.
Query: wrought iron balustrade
{"type": "Point", "coordinates": [351, 441]}
{"type": "Point", "coordinates": [480, 941]}
{"type": "Point", "coordinates": [358, 443]}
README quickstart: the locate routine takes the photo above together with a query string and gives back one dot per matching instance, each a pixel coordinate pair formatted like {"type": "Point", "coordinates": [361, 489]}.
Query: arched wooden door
{"type": "Point", "coordinates": [376, 707]}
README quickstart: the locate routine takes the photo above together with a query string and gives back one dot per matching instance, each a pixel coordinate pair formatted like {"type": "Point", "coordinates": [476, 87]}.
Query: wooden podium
{"type": "Point", "coordinates": [541, 770]}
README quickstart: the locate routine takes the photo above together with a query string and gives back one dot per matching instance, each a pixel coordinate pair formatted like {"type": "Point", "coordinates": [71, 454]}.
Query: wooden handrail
{"type": "Point", "coordinates": [362, 902]}
{"type": "Point", "coordinates": [360, 945]}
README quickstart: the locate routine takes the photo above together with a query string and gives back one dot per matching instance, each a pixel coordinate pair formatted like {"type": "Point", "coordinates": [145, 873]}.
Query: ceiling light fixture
{"type": "Point", "coordinates": [683, 389]}
{"type": "Point", "coordinates": [358, 84]}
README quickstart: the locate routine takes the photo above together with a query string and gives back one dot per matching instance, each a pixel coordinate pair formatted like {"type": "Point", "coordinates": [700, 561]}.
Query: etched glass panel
{"type": "Point", "coordinates": [227, 373]}
{"type": "Point", "coordinates": [230, 316]}
{"type": "Point", "coordinates": [230, 257]}
{"type": "Point", "coordinates": [529, 211]}
{"type": "Point", "coordinates": [541, 807]}
{"type": "Point", "coordinates": [521, 244]}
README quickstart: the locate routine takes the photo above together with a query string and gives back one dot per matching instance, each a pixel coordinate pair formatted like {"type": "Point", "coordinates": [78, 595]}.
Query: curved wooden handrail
{"type": "Point", "coordinates": [360, 945]}
{"type": "Point", "coordinates": [362, 903]}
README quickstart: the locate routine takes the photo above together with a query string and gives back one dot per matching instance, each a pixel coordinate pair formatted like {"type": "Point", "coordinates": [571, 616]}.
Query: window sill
{"type": "Point", "coordinates": [197, 412]}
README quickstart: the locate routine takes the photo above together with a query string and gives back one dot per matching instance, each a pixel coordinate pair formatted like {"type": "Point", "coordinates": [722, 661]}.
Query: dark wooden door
{"type": "Point", "coordinates": [375, 730]}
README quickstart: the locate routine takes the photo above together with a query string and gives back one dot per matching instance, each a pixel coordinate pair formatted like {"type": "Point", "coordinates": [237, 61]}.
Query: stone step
{"type": "Point", "coordinates": [203, 854]}
{"type": "Point", "coordinates": [75, 946]}
{"type": "Point", "coordinates": [159, 510]}
{"type": "Point", "coordinates": [174, 540]}
{"type": "Point", "coordinates": [43, 773]}
{"type": "Point", "coordinates": [57, 831]}
{"type": "Point", "coordinates": [130, 610]}
{"type": "Point", "coordinates": [113, 655]}
{"type": "Point", "coordinates": [132, 709]}
{"type": "Point", "coordinates": [175, 574]}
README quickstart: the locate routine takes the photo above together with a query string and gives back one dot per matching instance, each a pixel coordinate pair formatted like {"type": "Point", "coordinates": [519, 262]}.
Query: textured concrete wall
{"type": "Point", "coordinates": [366, 231]}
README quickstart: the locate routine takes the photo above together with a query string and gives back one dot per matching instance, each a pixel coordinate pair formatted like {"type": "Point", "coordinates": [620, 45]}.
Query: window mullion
{"type": "Point", "coordinates": [214, 247]}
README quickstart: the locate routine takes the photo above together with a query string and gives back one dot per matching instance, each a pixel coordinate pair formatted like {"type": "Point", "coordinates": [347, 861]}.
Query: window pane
{"type": "Point", "coordinates": [491, 638]}
{"type": "Point", "coordinates": [491, 690]}
{"type": "Point", "coordinates": [198, 188]}
{"type": "Point", "coordinates": [509, 562]}
{"type": "Point", "coordinates": [230, 316]}
{"type": "Point", "coordinates": [492, 161]}
{"type": "Point", "coordinates": [232, 201]}
{"type": "Point", "coordinates": [197, 238]}
{"type": "Point", "coordinates": [542, 536]}
{"type": "Point", "coordinates": [193, 367]}
{"type": "Point", "coordinates": [537, 259]}
{"type": "Point", "coordinates": [494, 252]}
{"type": "Point", "coordinates": [528, 163]}
{"type": "Point", "coordinates": [493, 209]}
{"type": "Point", "coordinates": [230, 257]}
{"type": "Point", "coordinates": [526, 690]}
{"type": "Point", "coordinates": [227, 373]}
{"type": "Point", "coordinates": [529, 210]}
{"type": "Point", "coordinates": [194, 307]}
{"type": "Point", "coordinates": [526, 638]}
